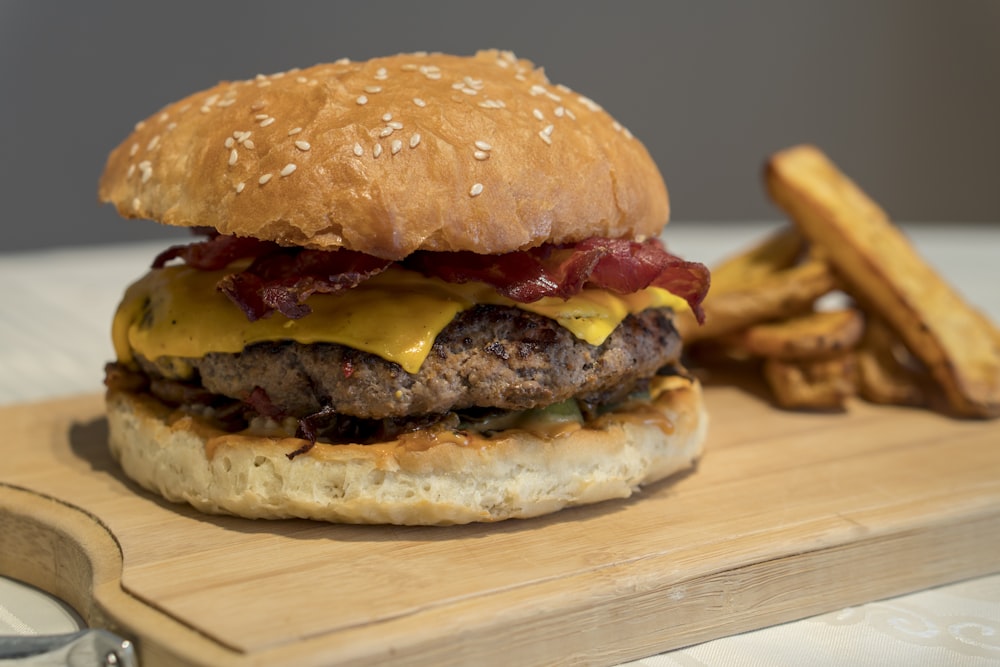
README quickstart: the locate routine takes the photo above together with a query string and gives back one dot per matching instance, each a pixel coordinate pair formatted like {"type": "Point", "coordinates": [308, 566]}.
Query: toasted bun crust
{"type": "Point", "coordinates": [515, 476]}
{"type": "Point", "coordinates": [389, 156]}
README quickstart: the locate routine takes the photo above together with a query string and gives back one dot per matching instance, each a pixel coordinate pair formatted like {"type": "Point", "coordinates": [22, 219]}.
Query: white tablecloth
{"type": "Point", "coordinates": [55, 314]}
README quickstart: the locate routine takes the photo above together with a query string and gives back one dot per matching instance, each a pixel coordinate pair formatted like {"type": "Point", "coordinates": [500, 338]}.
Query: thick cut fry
{"type": "Point", "coordinates": [775, 253]}
{"type": "Point", "coordinates": [787, 292]}
{"type": "Point", "coordinates": [883, 272]}
{"type": "Point", "coordinates": [821, 384]}
{"type": "Point", "coordinates": [811, 336]}
{"type": "Point", "coordinates": [887, 373]}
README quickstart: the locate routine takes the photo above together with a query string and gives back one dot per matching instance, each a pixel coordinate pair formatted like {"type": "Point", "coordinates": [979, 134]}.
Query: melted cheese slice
{"type": "Point", "coordinates": [176, 311]}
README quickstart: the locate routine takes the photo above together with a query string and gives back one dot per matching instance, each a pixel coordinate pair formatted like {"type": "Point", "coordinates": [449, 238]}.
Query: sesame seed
{"type": "Point", "coordinates": [288, 169]}
{"type": "Point", "coordinates": [537, 114]}
{"type": "Point", "coordinates": [302, 145]}
{"type": "Point", "coordinates": [397, 145]}
{"type": "Point", "coordinates": [141, 124]}
{"type": "Point", "coordinates": [261, 116]}
{"type": "Point", "coordinates": [257, 106]}
{"type": "Point", "coordinates": [264, 179]}
{"type": "Point", "coordinates": [548, 129]}
{"type": "Point", "coordinates": [163, 117]}
{"type": "Point", "coordinates": [483, 146]}
{"type": "Point", "coordinates": [294, 130]}
{"type": "Point", "coordinates": [261, 84]}
{"type": "Point", "coordinates": [414, 139]}
{"type": "Point", "coordinates": [560, 111]}
{"type": "Point", "coordinates": [211, 99]}
{"type": "Point", "coordinates": [133, 150]}
{"type": "Point", "coordinates": [373, 89]}
{"type": "Point", "coordinates": [171, 125]}
{"type": "Point", "coordinates": [386, 131]}
{"type": "Point", "coordinates": [233, 155]}
{"type": "Point", "coordinates": [589, 103]}
{"type": "Point", "coordinates": [358, 150]}
{"type": "Point", "coordinates": [205, 108]}
{"type": "Point", "coordinates": [476, 189]}
{"type": "Point", "coordinates": [130, 171]}
{"type": "Point", "coordinates": [387, 117]}
{"type": "Point", "coordinates": [481, 155]}
{"type": "Point", "coordinates": [419, 102]}
{"type": "Point", "coordinates": [546, 138]}
{"type": "Point", "coordinates": [361, 99]}
{"type": "Point", "coordinates": [248, 144]}
{"type": "Point", "coordinates": [377, 150]}
{"type": "Point", "coordinates": [381, 74]}
{"type": "Point", "coordinates": [537, 90]}
{"type": "Point", "coordinates": [469, 91]}
{"type": "Point", "coordinates": [228, 102]}
{"type": "Point", "coordinates": [301, 79]}
{"type": "Point", "coordinates": [395, 124]}
{"type": "Point", "coordinates": [240, 186]}
{"type": "Point", "coordinates": [266, 122]}
{"type": "Point", "coordinates": [136, 204]}
{"type": "Point", "coordinates": [430, 69]}
{"type": "Point", "coordinates": [458, 85]}
{"type": "Point", "coordinates": [230, 142]}
{"type": "Point", "coordinates": [569, 112]}
{"type": "Point", "coordinates": [409, 67]}
{"type": "Point", "coordinates": [152, 143]}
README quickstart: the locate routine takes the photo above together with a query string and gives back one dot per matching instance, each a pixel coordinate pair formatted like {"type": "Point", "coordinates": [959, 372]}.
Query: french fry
{"type": "Point", "coordinates": [887, 372]}
{"type": "Point", "coordinates": [886, 275]}
{"type": "Point", "coordinates": [779, 251]}
{"type": "Point", "coordinates": [785, 292]}
{"type": "Point", "coordinates": [814, 335]}
{"type": "Point", "coordinates": [820, 384]}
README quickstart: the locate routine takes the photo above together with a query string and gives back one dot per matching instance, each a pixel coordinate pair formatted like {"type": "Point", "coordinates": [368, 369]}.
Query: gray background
{"type": "Point", "coordinates": [903, 94]}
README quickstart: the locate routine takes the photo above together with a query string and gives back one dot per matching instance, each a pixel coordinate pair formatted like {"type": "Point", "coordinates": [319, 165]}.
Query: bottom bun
{"type": "Point", "coordinates": [447, 478]}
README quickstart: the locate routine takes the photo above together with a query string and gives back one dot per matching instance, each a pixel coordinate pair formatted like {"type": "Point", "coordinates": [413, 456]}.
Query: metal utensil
{"type": "Point", "coordinates": [86, 648]}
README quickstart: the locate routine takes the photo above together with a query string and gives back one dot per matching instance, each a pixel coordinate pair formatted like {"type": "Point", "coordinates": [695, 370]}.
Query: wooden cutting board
{"type": "Point", "coordinates": [788, 515]}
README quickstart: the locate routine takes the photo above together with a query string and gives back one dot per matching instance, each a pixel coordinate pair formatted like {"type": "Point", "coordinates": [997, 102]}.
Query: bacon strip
{"type": "Point", "coordinates": [617, 265]}
{"type": "Point", "coordinates": [282, 279]}
{"type": "Point", "coordinates": [216, 253]}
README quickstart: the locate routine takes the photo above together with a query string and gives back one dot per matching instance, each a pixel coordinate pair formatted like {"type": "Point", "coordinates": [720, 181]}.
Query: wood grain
{"type": "Point", "coordinates": [788, 515]}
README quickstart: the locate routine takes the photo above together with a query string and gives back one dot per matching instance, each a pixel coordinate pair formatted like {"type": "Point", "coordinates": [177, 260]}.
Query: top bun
{"type": "Point", "coordinates": [396, 154]}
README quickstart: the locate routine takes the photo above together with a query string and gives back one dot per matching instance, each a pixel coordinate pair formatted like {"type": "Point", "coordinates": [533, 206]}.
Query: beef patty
{"type": "Point", "coordinates": [488, 356]}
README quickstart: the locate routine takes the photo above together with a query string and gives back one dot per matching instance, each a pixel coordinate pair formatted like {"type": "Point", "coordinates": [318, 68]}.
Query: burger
{"type": "Point", "coordinates": [425, 289]}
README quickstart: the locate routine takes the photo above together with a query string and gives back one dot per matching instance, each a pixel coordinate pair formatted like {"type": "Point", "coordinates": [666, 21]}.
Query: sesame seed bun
{"type": "Point", "coordinates": [389, 156]}
{"type": "Point", "coordinates": [515, 474]}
